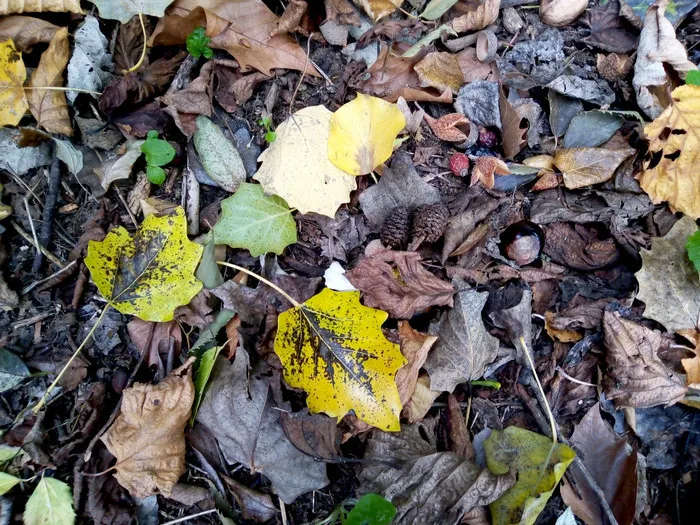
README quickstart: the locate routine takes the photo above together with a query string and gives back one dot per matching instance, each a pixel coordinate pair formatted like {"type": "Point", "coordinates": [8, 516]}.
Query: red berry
{"type": "Point", "coordinates": [459, 164]}
{"type": "Point", "coordinates": [487, 138]}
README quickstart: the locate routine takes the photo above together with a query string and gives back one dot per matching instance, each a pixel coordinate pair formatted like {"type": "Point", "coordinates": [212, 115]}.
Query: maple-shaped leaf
{"type": "Point", "coordinates": [125, 10]}
{"type": "Point", "coordinates": [333, 347]}
{"type": "Point", "coordinates": [150, 274]}
{"type": "Point", "coordinates": [13, 101]}
{"type": "Point", "coordinates": [148, 437]}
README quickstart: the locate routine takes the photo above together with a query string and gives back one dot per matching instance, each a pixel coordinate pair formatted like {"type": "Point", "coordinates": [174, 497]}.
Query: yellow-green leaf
{"type": "Point", "coordinates": [51, 503]}
{"type": "Point", "coordinates": [13, 101]}
{"type": "Point", "coordinates": [362, 134]}
{"type": "Point", "coordinates": [333, 347]}
{"type": "Point", "coordinates": [540, 465]}
{"type": "Point", "coordinates": [150, 274]}
{"type": "Point", "coordinates": [7, 481]}
{"type": "Point", "coordinates": [204, 368]}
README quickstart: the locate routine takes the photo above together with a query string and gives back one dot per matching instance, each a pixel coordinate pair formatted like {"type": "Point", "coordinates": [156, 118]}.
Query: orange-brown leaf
{"type": "Point", "coordinates": [475, 14]}
{"type": "Point", "coordinates": [414, 347]}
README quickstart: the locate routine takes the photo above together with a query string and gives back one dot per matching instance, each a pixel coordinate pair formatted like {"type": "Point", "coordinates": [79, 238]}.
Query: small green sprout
{"type": "Point", "coordinates": [270, 134]}
{"type": "Point", "coordinates": [158, 153]}
{"type": "Point", "coordinates": [198, 44]}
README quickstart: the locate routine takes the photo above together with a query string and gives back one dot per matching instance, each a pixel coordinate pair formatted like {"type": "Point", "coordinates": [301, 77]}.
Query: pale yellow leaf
{"type": "Point", "coordinates": [13, 101]}
{"type": "Point", "coordinates": [39, 6]}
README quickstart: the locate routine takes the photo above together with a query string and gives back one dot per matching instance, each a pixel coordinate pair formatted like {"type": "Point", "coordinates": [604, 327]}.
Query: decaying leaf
{"type": "Point", "coordinates": [561, 12]}
{"type": "Point", "coordinates": [583, 167]}
{"type": "Point", "coordinates": [150, 274]}
{"type": "Point", "coordinates": [464, 347]}
{"type": "Point", "coordinates": [13, 101]}
{"type": "Point", "coordinates": [240, 414]}
{"type": "Point", "coordinates": [440, 71]}
{"type": "Point", "coordinates": [296, 165]}
{"type": "Point", "coordinates": [362, 134]}
{"type": "Point", "coordinates": [26, 31]}
{"type": "Point", "coordinates": [220, 159]}
{"type": "Point", "coordinates": [477, 14]}
{"type": "Point", "coordinates": [636, 376]}
{"type": "Point", "coordinates": [421, 400]}
{"type": "Point", "coordinates": [40, 6]}
{"type": "Point", "coordinates": [125, 10]}
{"type": "Point", "coordinates": [333, 347]}
{"type": "Point", "coordinates": [148, 437]}
{"type": "Point", "coordinates": [378, 9]}
{"type": "Point", "coordinates": [89, 67]}
{"type": "Point", "coordinates": [430, 487]}
{"type": "Point", "coordinates": [539, 464]}
{"type": "Point", "coordinates": [398, 283]}
{"type": "Point", "coordinates": [514, 124]}
{"type": "Point", "coordinates": [668, 281]}
{"type": "Point", "coordinates": [118, 167]}
{"type": "Point", "coordinates": [670, 172]}
{"type": "Point", "coordinates": [414, 347]}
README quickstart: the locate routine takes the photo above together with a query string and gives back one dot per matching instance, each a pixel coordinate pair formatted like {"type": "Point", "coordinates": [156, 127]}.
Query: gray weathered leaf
{"type": "Point", "coordinates": [562, 110]}
{"type": "Point", "coordinates": [12, 370]}
{"type": "Point", "coordinates": [464, 347]}
{"type": "Point", "coordinates": [478, 101]}
{"type": "Point", "coordinates": [591, 129]}
{"type": "Point", "coordinates": [118, 167]}
{"type": "Point", "coordinates": [20, 160]}
{"type": "Point", "coordinates": [220, 159]}
{"type": "Point", "coordinates": [89, 67]}
{"type": "Point", "coordinates": [596, 92]}
{"type": "Point", "coordinates": [71, 157]}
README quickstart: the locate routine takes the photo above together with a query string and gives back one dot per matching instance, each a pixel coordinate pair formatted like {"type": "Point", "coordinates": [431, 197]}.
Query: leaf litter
{"type": "Point", "coordinates": [492, 193]}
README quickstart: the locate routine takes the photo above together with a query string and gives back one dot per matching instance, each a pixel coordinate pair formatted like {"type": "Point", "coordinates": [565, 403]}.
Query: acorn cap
{"type": "Point", "coordinates": [396, 227]}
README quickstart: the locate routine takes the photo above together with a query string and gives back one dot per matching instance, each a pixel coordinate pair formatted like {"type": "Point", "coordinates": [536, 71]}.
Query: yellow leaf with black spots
{"type": "Point", "coordinates": [150, 274]}
{"type": "Point", "coordinates": [362, 134]}
{"type": "Point", "coordinates": [333, 347]}
{"type": "Point", "coordinates": [13, 101]}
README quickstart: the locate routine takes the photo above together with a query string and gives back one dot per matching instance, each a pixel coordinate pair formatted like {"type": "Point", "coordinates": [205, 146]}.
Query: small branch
{"type": "Point", "coordinates": [190, 517]}
{"type": "Point", "coordinates": [59, 88]}
{"type": "Point", "coordinates": [262, 280]}
{"type": "Point", "coordinates": [50, 256]}
{"type": "Point", "coordinates": [37, 245]}
{"type": "Point", "coordinates": [143, 51]}
{"type": "Point", "coordinates": [50, 200]}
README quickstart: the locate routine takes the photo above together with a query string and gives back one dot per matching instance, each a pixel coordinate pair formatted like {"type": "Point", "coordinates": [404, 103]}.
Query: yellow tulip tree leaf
{"type": "Point", "coordinates": [40, 6]}
{"type": "Point", "coordinates": [125, 10]}
{"type": "Point", "coordinates": [670, 168]}
{"type": "Point", "coordinates": [540, 465]}
{"type": "Point", "coordinates": [363, 133]}
{"type": "Point", "coordinates": [13, 101]}
{"type": "Point", "coordinates": [333, 347]}
{"type": "Point", "coordinates": [296, 166]}
{"type": "Point", "coordinates": [150, 274]}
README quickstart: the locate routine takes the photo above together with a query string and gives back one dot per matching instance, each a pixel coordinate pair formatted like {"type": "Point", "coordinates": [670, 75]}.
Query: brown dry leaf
{"type": "Point", "coordinates": [148, 437]}
{"type": "Point", "coordinates": [242, 28]}
{"type": "Point", "coordinates": [514, 124]}
{"type": "Point", "coordinates": [691, 365]}
{"type": "Point", "coordinates": [343, 11]}
{"type": "Point", "coordinates": [153, 339]}
{"type": "Point", "coordinates": [40, 6]}
{"type": "Point", "coordinates": [578, 246]}
{"type": "Point", "coordinates": [440, 71]}
{"type": "Point", "coordinates": [421, 401]}
{"type": "Point", "coordinates": [614, 67]}
{"type": "Point", "coordinates": [186, 104]}
{"type": "Point", "coordinates": [474, 69]}
{"type": "Point", "coordinates": [378, 9]}
{"type": "Point", "coordinates": [26, 31]}
{"type": "Point", "coordinates": [414, 347]}
{"type": "Point", "coordinates": [447, 127]}
{"type": "Point", "coordinates": [475, 15]}
{"type": "Point", "coordinates": [397, 283]}
{"type": "Point", "coordinates": [583, 167]}
{"type": "Point", "coordinates": [232, 336]}
{"type": "Point", "coordinates": [485, 169]}
{"type": "Point", "coordinates": [547, 181]}
{"type": "Point", "coordinates": [50, 107]}
{"type": "Point", "coordinates": [563, 336]}
{"type": "Point", "coordinates": [290, 20]}
{"type": "Point", "coordinates": [636, 376]}
{"type": "Point", "coordinates": [560, 13]}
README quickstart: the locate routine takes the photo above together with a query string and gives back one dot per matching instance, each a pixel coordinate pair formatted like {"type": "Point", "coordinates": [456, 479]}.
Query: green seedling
{"type": "Point", "coordinates": [693, 78]}
{"type": "Point", "coordinates": [198, 44]}
{"type": "Point", "coordinates": [370, 509]}
{"type": "Point", "coordinates": [693, 248]}
{"type": "Point", "coordinates": [158, 153]}
{"type": "Point", "coordinates": [270, 134]}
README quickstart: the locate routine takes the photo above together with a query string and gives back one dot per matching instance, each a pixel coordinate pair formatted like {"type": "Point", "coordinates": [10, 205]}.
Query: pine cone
{"type": "Point", "coordinates": [395, 229]}
{"type": "Point", "coordinates": [429, 222]}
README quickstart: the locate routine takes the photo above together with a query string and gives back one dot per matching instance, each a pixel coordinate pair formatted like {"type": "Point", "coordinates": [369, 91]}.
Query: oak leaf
{"type": "Point", "coordinates": [440, 71]}
{"type": "Point", "coordinates": [515, 125]}
{"type": "Point", "coordinates": [670, 172]}
{"type": "Point", "coordinates": [398, 283]}
{"type": "Point", "coordinates": [148, 436]}
{"type": "Point", "coordinates": [125, 10]}
{"type": "Point", "coordinates": [150, 274]}
{"type": "Point", "coordinates": [13, 101]}
{"type": "Point", "coordinates": [40, 6]}
{"type": "Point", "coordinates": [297, 168]}
{"type": "Point", "coordinates": [583, 167]}
{"type": "Point", "coordinates": [333, 347]}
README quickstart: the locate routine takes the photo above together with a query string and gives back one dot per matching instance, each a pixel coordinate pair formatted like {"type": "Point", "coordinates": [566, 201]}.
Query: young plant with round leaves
{"type": "Point", "coordinates": [198, 43]}
{"type": "Point", "coordinates": [158, 153]}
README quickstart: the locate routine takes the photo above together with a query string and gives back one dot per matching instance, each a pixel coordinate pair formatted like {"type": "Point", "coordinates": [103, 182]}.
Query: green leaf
{"type": "Point", "coordinates": [540, 465]}
{"type": "Point", "coordinates": [155, 174]}
{"type": "Point", "coordinates": [270, 136]}
{"type": "Point", "coordinates": [8, 453]}
{"type": "Point", "coordinates": [693, 77]}
{"type": "Point", "coordinates": [51, 503]}
{"type": "Point", "coordinates": [436, 8]}
{"type": "Point", "coordinates": [208, 335]}
{"type": "Point", "coordinates": [206, 365]}
{"type": "Point", "coordinates": [371, 509]}
{"type": "Point", "coordinates": [7, 481]}
{"type": "Point", "coordinates": [428, 39]}
{"type": "Point", "coordinates": [208, 271]}
{"type": "Point", "coordinates": [220, 159]}
{"type": "Point", "coordinates": [12, 370]}
{"type": "Point", "coordinates": [257, 222]}
{"type": "Point", "coordinates": [198, 43]}
{"type": "Point", "coordinates": [693, 247]}
{"type": "Point", "coordinates": [158, 152]}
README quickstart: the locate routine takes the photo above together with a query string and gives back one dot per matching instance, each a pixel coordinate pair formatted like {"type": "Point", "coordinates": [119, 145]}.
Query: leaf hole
{"type": "Point", "coordinates": [673, 156]}
{"type": "Point", "coordinates": [679, 132]}
{"type": "Point", "coordinates": [665, 133]}
{"type": "Point", "coordinates": [654, 159]}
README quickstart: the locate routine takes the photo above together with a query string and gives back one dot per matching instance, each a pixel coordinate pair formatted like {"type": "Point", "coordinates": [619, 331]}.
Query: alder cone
{"type": "Point", "coordinates": [396, 228]}
{"type": "Point", "coordinates": [429, 222]}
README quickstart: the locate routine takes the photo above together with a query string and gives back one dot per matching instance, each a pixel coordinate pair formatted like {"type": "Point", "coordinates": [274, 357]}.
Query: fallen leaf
{"type": "Point", "coordinates": [336, 280]}
{"type": "Point", "coordinates": [560, 13]}
{"type": "Point", "coordinates": [220, 159]}
{"type": "Point", "coordinates": [578, 246]}
{"type": "Point", "coordinates": [657, 48]}
{"type": "Point", "coordinates": [583, 167]}
{"type": "Point", "coordinates": [677, 10]}
{"type": "Point", "coordinates": [297, 168]}
{"type": "Point", "coordinates": [421, 400]}
{"type": "Point", "coordinates": [240, 414]}
{"type": "Point", "coordinates": [362, 134]}
{"type": "Point", "coordinates": [153, 339]}
{"type": "Point", "coordinates": [414, 347]}
{"type": "Point", "coordinates": [397, 283]}
{"type": "Point", "coordinates": [12, 370]}
{"type": "Point", "coordinates": [125, 10]}
{"type": "Point", "coordinates": [40, 6]}
{"type": "Point", "coordinates": [51, 502]}
{"type": "Point", "coordinates": [118, 167]}
{"type": "Point", "coordinates": [342, 11]}
{"type": "Point", "coordinates": [636, 376]}
{"type": "Point", "coordinates": [290, 20]}
{"type": "Point", "coordinates": [431, 487]}
{"type": "Point", "coordinates": [69, 155]}
{"type": "Point", "coordinates": [333, 347]}
{"type": "Point", "coordinates": [13, 100]}
{"type": "Point", "coordinates": [204, 370]}
{"type": "Point", "coordinates": [148, 436]}
{"type": "Point", "coordinates": [464, 347]}
{"type": "Point", "coordinates": [485, 170]}
{"type": "Point", "coordinates": [668, 281]}
{"type": "Point", "coordinates": [254, 505]}
{"type": "Point", "coordinates": [669, 168]}
{"type": "Point", "coordinates": [91, 65]}
{"type": "Point", "coordinates": [477, 14]}
{"type": "Point", "coordinates": [590, 129]}
{"type": "Point", "coordinates": [558, 334]}
{"type": "Point", "coordinates": [440, 71]}
{"type": "Point", "coordinates": [242, 28]}
{"type": "Point", "coordinates": [540, 465]}
{"type": "Point", "coordinates": [474, 69]}
{"type": "Point", "coordinates": [49, 107]}
{"type": "Point", "coordinates": [150, 274]}
{"type": "Point", "coordinates": [595, 91]}
{"type": "Point", "coordinates": [7, 481]}
{"type": "Point", "coordinates": [193, 100]}
{"type": "Point", "coordinates": [478, 101]}
{"type": "Point", "coordinates": [378, 9]}
{"type": "Point", "coordinates": [26, 31]}
{"type": "Point", "coordinates": [514, 125]}
{"type": "Point", "coordinates": [436, 8]}
{"type": "Point", "coordinates": [562, 111]}
{"type": "Point", "coordinates": [447, 127]}
{"type": "Point", "coordinates": [399, 186]}
{"type": "Point", "coordinates": [609, 31]}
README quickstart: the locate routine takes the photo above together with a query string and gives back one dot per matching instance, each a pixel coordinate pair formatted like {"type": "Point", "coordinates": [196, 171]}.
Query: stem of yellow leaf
{"type": "Point", "coordinates": [552, 423]}
{"type": "Point", "coordinates": [143, 51]}
{"type": "Point", "coordinates": [60, 88]}
{"type": "Point", "coordinates": [42, 402]}
{"type": "Point", "coordinates": [262, 280]}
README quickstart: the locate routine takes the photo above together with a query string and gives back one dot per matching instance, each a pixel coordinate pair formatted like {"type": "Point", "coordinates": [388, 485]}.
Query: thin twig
{"type": "Point", "coordinates": [543, 400]}
{"type": "Point", "coordinates": [262, 280]}
{"type": "Point", "coordinates": [190, 517]}
{"type": "Point", "coordinates": [50, 200]}
{"type": "Point", "coordinates": [301, 78]}
{"type": "Point", "coordinates": [50, 256]}
{"type": "Point", "coordinates": [128, 210]}
{"type": "Point", "coordinates": [37, 245]}
{"type": "Point", "coordinates": [574, 380]}
{"type": "Point", "coordinates": [29, 288]}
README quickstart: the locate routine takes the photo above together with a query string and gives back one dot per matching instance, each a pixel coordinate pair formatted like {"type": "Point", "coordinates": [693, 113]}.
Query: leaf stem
{"type": "Point", "coordinates": [61, 88]}
{"type": "Point", "coordinates": [262, 280]}
{"type": "Point", "coordinates": [143, 51]}
{"type": "Point", "coordinates": [552, 423]}
{"type": "Point", "coordinates": [42, 402]}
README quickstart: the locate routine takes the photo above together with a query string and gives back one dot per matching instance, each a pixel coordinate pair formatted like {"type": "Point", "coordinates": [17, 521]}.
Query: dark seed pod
{"type": "Point", "coordinates": [522, 242]}
{"type": "Point", "coordinates": [395, 229]}
{"type": "Point", "coordinates": [429, 222]}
